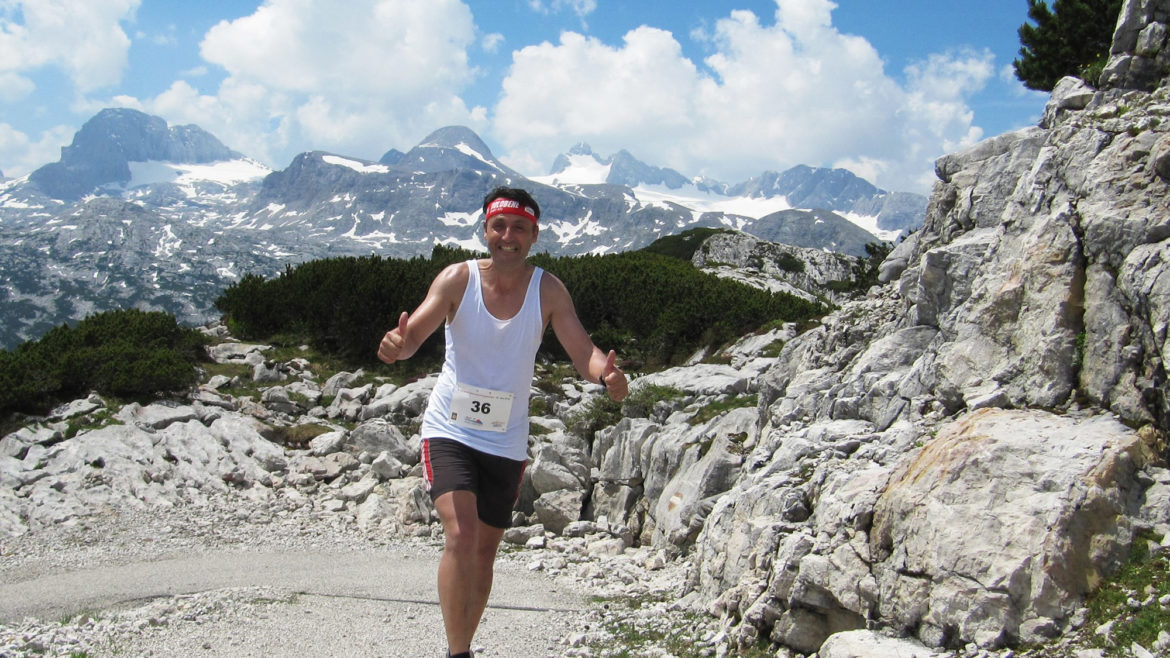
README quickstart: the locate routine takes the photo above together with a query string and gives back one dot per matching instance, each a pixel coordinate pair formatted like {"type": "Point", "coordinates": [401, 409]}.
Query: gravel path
{"type": "Point", "coordinates": [138, 587]}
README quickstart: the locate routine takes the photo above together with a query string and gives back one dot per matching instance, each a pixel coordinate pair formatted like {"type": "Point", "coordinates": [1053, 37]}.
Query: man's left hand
{"type": "Point", "coordinates": [614, 379]}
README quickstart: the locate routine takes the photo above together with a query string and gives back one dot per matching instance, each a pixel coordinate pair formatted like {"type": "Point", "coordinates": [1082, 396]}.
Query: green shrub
{"type": "Point", "coordinates": [126, 353]}
{"type": "Point", "coordinates": [865, 270]}
{"type": "Point", "coordinates": [684, 245]}
{"type": "Point", "coordinates": [723, 406]}
{"type": "Point", "coordinates": [339, 306]}
{"type": "Point", "coordinates": [790, 263]}
{"type": "Point", "coordinates": [655, 310]}
{"type": "Point", "coordinates": [640, 403]}
{"type": "Point", "coordinates": [600, 413]}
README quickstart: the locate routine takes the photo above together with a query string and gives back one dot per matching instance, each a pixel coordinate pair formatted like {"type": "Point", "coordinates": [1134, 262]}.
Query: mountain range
{"type": "Point", "coordinates": [137, 213]}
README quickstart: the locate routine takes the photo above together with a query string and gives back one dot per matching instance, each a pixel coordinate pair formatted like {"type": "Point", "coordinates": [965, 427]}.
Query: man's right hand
{"type": "Point", "coordinates": [394, 341]}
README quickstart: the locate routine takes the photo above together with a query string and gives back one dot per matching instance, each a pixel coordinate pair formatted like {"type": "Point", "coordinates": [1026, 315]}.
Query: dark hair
{"type": "Point", "coordinates": [513, 193]}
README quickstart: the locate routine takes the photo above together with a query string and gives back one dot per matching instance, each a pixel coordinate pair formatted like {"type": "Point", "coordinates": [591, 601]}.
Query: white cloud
{"type": "Point", "coordinates": [583, 90]}
{"type": "Point", "coordinates": [14, 87]}
{"type": "Point", "coordinates": [83, 38]}
{"type": "Point", "coordinates": [167, 38]}
{"type": "Point", "coordinates": [194, 72]}
{"type": "Point", "coordinates": [581, 8]}
{"type": "Point", "coordinates": [491, 42]}
{"type": "Point", "coordinates": [20, 154]}
{"type": "Point", "coordinates": [797, 91]}
{"type": "Point", "coordinates": [357, 78]}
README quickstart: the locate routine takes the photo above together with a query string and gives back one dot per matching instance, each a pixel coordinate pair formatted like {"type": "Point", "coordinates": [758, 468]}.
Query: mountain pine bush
{"type": "Point", "coordinates": [655, 310]}
{"type": "Point", "coordinates": [125, 353]}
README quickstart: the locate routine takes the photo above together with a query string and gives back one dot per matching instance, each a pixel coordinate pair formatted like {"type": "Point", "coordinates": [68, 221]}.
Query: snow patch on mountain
{"type": "Point", "coordinates": [870, 223]}
{"type": "Point", "coordinates": [584, 168]}
{"type": "Point", "coordinates": [377, 240]}
{"type": "Point", "coordinates": [360, 167]}
{"type": "Point", "coordinates": [581, 170]}
{"type": "Point", "coordinates": [470, 244]}
{"type": "Point", "coordinates": [460, 219]}
{"type": "Point", "coordinates": [704, 202]}
{"type": "Point", "coordinates": [566, 231]}
{"type": "Point", "coordinates": [467, 149]}
{"type": "Point", "coordinates": [225, 172]}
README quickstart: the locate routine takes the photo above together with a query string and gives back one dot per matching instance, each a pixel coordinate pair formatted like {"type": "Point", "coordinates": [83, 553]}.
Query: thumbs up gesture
{"type": "Point", "coordinates": [390, 349]}
{"type": "Point", "coordinates": [613, 379]}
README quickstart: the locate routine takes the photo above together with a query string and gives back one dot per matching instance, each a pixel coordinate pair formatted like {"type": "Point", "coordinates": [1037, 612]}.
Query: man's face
{"type": "Point", "coordinates": [509, 236]}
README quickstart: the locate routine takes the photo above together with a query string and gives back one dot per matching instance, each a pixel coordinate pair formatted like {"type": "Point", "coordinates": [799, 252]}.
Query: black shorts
{"type": "Point", "coordinates": [449, 465]}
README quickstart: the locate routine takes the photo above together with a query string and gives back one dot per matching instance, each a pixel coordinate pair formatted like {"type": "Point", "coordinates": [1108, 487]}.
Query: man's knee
{"type": "Point", "coordinates": [460, 538]}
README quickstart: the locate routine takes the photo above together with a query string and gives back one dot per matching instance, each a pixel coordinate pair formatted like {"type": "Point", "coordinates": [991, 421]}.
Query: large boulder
{"type": "Point", "coordinates": [996, 530]}
{"type": "Point", "coordinates": [991, 533]}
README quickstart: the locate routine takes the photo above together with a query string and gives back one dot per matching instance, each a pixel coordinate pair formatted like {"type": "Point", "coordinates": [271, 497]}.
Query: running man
{"type": "Point", "coordinates": [475, 429]}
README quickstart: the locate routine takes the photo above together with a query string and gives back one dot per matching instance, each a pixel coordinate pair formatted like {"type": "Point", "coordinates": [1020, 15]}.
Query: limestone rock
{"type": "Point", "coordinates": [1050, 519]}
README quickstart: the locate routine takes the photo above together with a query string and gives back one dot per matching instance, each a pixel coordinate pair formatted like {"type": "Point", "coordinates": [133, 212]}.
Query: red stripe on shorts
{"type": "Point", "coordinates": [428, 473]}
{"type": "Point", "coordinates": [523, 467]}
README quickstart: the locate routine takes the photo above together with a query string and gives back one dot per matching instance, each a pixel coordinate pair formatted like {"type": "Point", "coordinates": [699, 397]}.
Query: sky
{"type": "Point", "coordinates": [725, 89]}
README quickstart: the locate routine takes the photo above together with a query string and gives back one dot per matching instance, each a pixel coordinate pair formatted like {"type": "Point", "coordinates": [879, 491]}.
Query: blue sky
{"type": "Point", "coordinates": [719, 88]}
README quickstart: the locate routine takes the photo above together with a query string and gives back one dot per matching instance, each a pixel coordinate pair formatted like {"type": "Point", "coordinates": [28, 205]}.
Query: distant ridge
{"type": "Point", "coordinates": [102, 150]}
{"type": "Point", "coordinates": [139, 214]}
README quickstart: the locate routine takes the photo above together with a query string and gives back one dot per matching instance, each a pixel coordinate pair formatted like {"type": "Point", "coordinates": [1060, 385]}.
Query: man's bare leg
{"type": "Point", "coordinates": [465, 569]}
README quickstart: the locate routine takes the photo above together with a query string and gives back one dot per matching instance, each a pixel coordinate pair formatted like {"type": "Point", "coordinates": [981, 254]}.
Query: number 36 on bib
{"type": "Point", "coordinates": [481, 408]}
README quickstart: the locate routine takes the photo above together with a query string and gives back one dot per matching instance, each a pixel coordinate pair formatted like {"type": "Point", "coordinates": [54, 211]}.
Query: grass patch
{"type": "Point", "coordinates": [598, 414]}
{"type": "Point", "coordinates": [1145, 578]}
{"type": "Point", "coordinates": [773, 349]}
{"type": "Point", "coordinates": [640, 403]}
{"type": "Point", "coordinates": [320, 365]}
{"type": "Point", "coordinates": [296, 436]}
{"type": "Point", "coordinates": [602, 412]}
{"type": "Point", "coordinates": [720, 407]}
{"type": "Point", "coordinates": [1128, 601]}
{"type": "Point", "coordinates": [96, 420]}
{"type": "Point", "coordinates": [550, 377]}
{"type": "Point", "coordinates": [229, 370]}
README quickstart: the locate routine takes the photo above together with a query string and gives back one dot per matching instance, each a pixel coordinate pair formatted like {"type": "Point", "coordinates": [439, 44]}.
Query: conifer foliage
{"type": "Point", "coordinates": [654, 309]}
{"type": "Point", "coordinates": [1072, 37]}
{"type": "Point", "coordinates": [124, 353]}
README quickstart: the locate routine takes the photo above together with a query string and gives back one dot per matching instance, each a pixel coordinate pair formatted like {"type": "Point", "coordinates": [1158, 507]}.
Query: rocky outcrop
{"type": "Point", "coordinates": [805, 273]}
{"type": "Point", "coordinates": [1138, 58]}
{"type": "Point", "coordinates": [954, 457]}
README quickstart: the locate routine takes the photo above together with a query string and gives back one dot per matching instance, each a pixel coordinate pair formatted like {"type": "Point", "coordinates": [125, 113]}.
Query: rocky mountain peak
{"type": "Point", "coordinates": [625, 169]}
{"type": "Point", "coordinates": [456, 137]}
{"type": "Point", "coordinates": [581, 148]}
{"type": "Point", "coordinates": [102, 150]}
{"type": "Point", "coordinates": [392, 157]}
{"type": "Point", "coordinates": [449, 148]}
{"type": "Point", "coordinates": [810, 187]}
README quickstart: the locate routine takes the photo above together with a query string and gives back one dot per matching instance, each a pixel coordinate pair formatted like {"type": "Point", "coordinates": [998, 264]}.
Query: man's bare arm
{"type": "Point", "coordinates": [593, 364]}
{"type": "Point", "coordinates": [414, 328]}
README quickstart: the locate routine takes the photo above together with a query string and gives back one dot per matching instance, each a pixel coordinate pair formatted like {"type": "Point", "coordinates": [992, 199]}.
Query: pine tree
{"type": "Point", "coordinates": [1071, 38]}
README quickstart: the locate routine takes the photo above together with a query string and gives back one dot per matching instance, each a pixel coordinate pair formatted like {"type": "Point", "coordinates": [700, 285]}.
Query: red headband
{"type": "Point", "coordinates": [504, 205]}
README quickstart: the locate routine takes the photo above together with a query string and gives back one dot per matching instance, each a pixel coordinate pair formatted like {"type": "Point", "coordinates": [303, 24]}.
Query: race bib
{"type": "Point", "coordinates": [481, 408]}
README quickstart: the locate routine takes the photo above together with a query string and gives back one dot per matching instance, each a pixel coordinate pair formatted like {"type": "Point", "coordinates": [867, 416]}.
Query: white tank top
{"type": "Point", "coordinates": [497, 358]}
